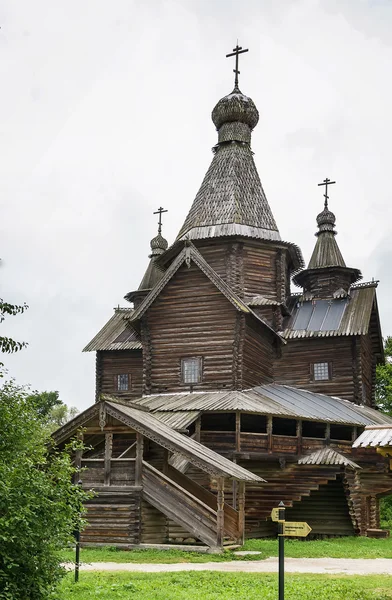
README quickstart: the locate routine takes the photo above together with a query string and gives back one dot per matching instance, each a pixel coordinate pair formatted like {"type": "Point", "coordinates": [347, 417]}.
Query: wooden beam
{"type": "Point", "coordinates": [220, 517]}
{"type": "Point", "coordinates": [241, 512]}
{"type": "Point", "coordinates": [108, 457]}
{"type": "Point", "coordinates": [238, 431]}
{"type": "Point", "coordinates": [269, 432]}
{"type": "Point", "coordinates": [197, 429]}
{"type": "Point", "coordinates": [139, 458]}
{"type": "Point", "coordinates": [78, 457]}
{"type": "Point", "coordinates": [299, 436]}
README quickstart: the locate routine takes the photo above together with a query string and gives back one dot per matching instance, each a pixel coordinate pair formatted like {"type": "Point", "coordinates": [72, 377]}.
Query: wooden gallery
{"type": "Point", "coordinates": [219, 392]}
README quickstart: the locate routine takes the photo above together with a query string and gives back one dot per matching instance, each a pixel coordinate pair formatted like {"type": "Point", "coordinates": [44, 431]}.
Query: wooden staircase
{"type": "Point", "coordinates": [188, 504]}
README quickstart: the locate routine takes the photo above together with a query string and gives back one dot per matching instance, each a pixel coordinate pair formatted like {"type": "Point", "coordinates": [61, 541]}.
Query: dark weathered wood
{"type": "Point", "coordinates": [220, 512]}
{"type": "Point", "coordinates": [241, 512]}
{"type": "Point", "coordinates": [108, 457]}
{"type": "Point", "coordinates": [116, 362]}
{"type": "Point", "coordinates": [139, 458]}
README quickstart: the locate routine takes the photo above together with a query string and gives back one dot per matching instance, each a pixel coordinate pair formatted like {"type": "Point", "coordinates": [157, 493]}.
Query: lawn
{"type": "Point", "coordinates": [359, 547]}
{"type": "Point", "coordinates": [228, 586]}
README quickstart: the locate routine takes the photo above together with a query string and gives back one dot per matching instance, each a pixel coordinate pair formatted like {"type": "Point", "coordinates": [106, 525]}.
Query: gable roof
{"type": "Point", "coordinates": [334, 316]}
{"type": "Point", "coordinates": [187, 255]}
{"type": "Point", "coordinates": [375, 436]}
{"type": "Point", "coordinates": [145, 423]}
{"type": "Point", "coordinates": [116, 334]}
{"type": "Point", "coordinates": [327, 456]}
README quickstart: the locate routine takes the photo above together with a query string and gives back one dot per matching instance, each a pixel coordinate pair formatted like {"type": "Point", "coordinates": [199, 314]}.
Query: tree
{"type": "Point", "coordinates": [384, 380]}
{"type": "Point", "coordinates": [51, 410]}
{"type": "Point", "coordinates": [8, 345]}
{"type": "Point", "coordinates": [40, 507]}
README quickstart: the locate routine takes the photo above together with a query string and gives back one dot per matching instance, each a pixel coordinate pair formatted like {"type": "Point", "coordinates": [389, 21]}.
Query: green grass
{"type": "Point", "coordinates": [223, 586]}
{"type": "Point", "coordinates": [345, 547]}
{"type": "Point", "coordinates": [358, 547]}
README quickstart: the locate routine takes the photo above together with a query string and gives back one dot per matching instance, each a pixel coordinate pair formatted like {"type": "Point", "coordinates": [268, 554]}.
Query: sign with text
{"type": "Point", "coordinates": [275, 514]}
{"type": "Point", "coordinates": [296, 529]}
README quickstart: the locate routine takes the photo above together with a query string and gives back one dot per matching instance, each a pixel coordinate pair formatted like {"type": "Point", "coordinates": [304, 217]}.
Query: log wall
{"type": "Point", "coordinates": [295, 366]}
{"type": "Point", "coordinates": [111, 363]}
{"type": "Point", "coordinates": [190, 318]}
{"type": "Point", "coordinates": [258, 353]}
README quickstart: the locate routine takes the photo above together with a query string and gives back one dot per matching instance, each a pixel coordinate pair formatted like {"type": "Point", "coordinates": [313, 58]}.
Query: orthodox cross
{"type": "Point", "coordinates": [236, 52]}
{"type": "Point", "coordinates": [159, 212]}
{"type": "Point", "coordinates": [326, 183]}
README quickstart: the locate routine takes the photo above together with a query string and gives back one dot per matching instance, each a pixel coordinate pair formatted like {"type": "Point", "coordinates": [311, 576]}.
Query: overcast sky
{"type": "Point", "coordinates": [105, 115]}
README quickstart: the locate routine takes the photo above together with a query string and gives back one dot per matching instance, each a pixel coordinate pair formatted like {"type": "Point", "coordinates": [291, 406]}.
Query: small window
{"type": "Point", "coordinates": [321, 371]}
{"type": "Point", "coordinates": [191, 370]}
{"type": "Point", "coordinates": [284, 427]}
{"type": "Point", "coordinates": [122, 382]}
{"type": "Point", "coordinates": [313, 429]}
{"type": "Point", "coordinates": [218, 422]}
{"type": "Point", "coordinates": [341, 432]}
{"type": "Point", "coordinates": [253, 423]}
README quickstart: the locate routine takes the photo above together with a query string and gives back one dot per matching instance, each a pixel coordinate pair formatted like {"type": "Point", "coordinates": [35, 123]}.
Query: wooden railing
{"type": "Point", "coordinates": [179, 505]}
{"type": "Point", "coordinates": [231, 515]}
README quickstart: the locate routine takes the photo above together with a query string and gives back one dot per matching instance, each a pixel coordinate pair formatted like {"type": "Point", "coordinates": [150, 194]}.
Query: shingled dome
{"type": "Point", "coordinates": [231, 200]}
{"type": "Point", "coordinates": [235, 107]}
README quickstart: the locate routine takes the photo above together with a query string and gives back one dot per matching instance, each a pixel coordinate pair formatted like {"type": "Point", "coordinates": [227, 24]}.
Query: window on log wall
{"type": "Point", "coordinates": [284, 426]}
{"type": "Point", "coordinates": [218, 422]}
{"type": "Point", "coordinates": [253, 423]}
{"type": "Point", "coordinates": [321, 371]}
{"type": "Point", "coordinates": [122, 382]}
{"type": "Point", "coordinates": [341, 432]}
{"type": "Point", "coordinates": [313, 429]}
{"type": "Point", "coordinates": [191, 370]}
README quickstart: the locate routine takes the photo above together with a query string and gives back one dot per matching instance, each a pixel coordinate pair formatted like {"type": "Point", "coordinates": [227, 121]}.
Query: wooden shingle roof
{"type": "Point", "coordinates": [116, 334]}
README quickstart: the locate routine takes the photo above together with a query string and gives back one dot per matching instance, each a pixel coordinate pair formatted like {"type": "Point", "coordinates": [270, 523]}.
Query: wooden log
{"type": "Point", "coordinates": [220, 517]}
{"type": "Point", "coordinates": [139, 459]}
{"type": "Point", "coordinates": [108, 456]}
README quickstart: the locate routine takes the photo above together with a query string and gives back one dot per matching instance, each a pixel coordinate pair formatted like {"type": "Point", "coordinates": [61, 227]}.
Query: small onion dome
{"type": "Point", "coordinates": [158, 245]}
{"type": "Point", "coordinates": [235, 107]}
{"type": "Point", "coordinates": [326, 220]}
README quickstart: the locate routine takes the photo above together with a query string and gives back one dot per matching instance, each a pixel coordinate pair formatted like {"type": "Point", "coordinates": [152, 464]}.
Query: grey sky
{"type": "Point", "coordinates": [105, 115]}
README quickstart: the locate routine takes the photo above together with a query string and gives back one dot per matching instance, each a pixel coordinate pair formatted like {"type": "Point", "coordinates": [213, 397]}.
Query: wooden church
{"type": "Point", "coordinates": [219, 392]}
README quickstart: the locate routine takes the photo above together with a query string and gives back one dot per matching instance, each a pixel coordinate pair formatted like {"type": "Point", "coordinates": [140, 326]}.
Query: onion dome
{"type": "Point", "coordinates": [326, 221]}
{"type": "Point", "coordinates": [235, 116]}
{"type": "Point", "coordinates": [158, 245]}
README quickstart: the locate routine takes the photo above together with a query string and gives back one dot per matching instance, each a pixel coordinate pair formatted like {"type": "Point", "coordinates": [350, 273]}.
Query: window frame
{"type": "Point", "coordinates": [117, 382]}
{"type": "Point", "coordinates": [312, 371]}
{"type": "Point", "coordinates": [183, 360]}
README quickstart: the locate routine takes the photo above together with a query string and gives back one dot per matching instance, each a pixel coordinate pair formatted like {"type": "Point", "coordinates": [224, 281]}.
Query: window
{"type": "Point", "coordinates": [341, 432]}
{"type": "Point", "coordinates": [313, 429]}
{"type": "Point", "coordinates": [191, 370]}
{"type": "Point", "coordinates": [218, 422]}
{"type": "Point", "coordinates": [321, 371]}
{"type": "Point", "coordinates": [122, 382]}
{"type": "Point", "coordinates": [253, 423]}
{"type": "Point", "coordinates": [284, 427]}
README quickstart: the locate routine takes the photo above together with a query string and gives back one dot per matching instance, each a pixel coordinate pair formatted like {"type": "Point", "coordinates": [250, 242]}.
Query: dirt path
{"type": "Point", "coordinates": [350, 566]}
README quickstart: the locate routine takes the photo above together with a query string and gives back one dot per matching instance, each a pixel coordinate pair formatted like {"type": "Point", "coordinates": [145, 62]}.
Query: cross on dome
{"type": "Point", "coordinates": [236, 52]}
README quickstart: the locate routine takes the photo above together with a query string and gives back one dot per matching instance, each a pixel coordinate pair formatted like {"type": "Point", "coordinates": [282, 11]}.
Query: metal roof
{"type": "Point", "coordinates": [327, 456]}
{"type": "Point", "coordinates": [178, 419]}
{"type": "Point", "coordinates": [333, 317]}
{"type": "Point", "coordinates": [375, 436]}
{"type": "Point", "coordinates": [116, 334]}
{"type": "Point", "coordinates": [272, 399]}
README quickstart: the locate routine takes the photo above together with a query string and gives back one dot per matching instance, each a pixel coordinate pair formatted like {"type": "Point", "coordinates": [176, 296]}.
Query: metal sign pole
{"type": "Point", "coordinates": [281, 549]}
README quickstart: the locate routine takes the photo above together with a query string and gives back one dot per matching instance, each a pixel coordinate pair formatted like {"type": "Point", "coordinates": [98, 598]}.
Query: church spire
{"type": "Point", "coordinates": [326, 256]}
{"type": "Point", "coordinates": [153, 273]}
{"type": "Point", "coordinates": [231, 200]}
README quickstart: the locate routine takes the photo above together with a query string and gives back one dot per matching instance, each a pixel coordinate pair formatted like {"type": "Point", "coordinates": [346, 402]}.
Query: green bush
{"type": "Point", "coordinates": [386, 512]}
{"type": "Point", "coordinates": [39, 505]}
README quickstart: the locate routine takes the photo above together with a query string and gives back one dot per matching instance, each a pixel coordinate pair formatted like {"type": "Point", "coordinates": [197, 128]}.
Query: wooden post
{"type": "Point", "coordinates": [108, 457]}
{"type": "Point", "coordinates": [328, 434]}
{"type": "Point", "coordinates": [220, 517]}
{"type": "Point", "coordinates": [269, 432]}
{"type": "Point", "coordinates": [78, 457]}
{"type": "Point", "coordinates": [299, 436]}
{"type": "Point", "coordinates": [197, 429]}
{"type": "Point", "coordinates": [238, 431]}
{"type": "Point", "coordinates": [165, 461]}
{"type": "Point", "coordinates": [241, 512]}
{"type": "Point", "coordinates": [139, 458]}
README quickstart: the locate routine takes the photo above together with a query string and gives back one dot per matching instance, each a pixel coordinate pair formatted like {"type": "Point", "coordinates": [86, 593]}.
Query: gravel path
{"type": "Point", "coordinates": [350, 566]}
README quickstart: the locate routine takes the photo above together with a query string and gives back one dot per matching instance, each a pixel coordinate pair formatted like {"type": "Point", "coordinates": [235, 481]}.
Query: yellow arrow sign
{"type": "Point", "coordinates": [275, 514]}
{"type": "Point", "coordinates": [292, 528]}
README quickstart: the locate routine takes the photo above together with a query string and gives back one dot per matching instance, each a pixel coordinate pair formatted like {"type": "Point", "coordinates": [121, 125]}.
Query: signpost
{"type": "Point", "coordinates": [285, 529]}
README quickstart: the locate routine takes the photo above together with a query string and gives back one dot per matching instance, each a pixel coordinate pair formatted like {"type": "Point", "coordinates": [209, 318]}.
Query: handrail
{"type": "Point", "coordinates": [182, 490]}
